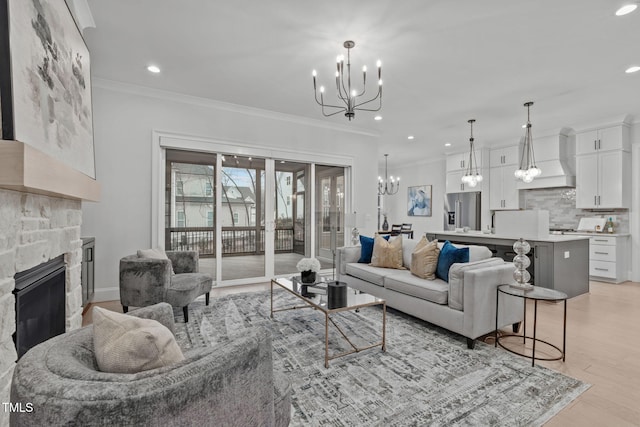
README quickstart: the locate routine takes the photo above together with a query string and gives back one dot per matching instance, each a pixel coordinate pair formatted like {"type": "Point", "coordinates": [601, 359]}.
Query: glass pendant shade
{"type": "Point", "coordinates": [528, 169]}
{"type": "Point", "coordinates": [471, 176]}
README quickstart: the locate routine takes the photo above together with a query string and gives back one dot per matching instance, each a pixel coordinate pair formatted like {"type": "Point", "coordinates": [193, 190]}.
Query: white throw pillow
{"type": "Point", "coordinates": [128, 344]}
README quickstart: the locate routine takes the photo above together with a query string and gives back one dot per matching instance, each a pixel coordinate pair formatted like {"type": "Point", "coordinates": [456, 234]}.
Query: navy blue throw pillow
{"type": "Point", "coordinates": [367, 248]}
{"type": "Point", "coordinates": [449, 255]}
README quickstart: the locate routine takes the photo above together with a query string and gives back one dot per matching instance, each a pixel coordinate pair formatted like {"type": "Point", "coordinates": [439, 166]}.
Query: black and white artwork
{"type": "Point", "coordinates": [50, 83]}
{"type": "Point", "coordinates": [419, 201]}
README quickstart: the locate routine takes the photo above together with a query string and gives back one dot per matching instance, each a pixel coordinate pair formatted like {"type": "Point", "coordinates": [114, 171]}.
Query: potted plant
{"type": "Point", "coordinates": [308, 267]}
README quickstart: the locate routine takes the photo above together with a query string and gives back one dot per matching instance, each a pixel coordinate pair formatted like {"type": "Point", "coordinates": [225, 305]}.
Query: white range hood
{"type": "Point", "coordinates": [555, 156]}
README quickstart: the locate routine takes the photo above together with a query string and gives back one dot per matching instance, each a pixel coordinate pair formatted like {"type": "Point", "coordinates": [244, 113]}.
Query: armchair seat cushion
{"type": "Point", "coordinates": [186, 287]}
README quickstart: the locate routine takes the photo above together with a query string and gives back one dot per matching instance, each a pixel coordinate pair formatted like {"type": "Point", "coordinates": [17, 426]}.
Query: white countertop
{"type": "Point", "coordinates": [594, 234]}
{"type": "Point", "coordinates": [549, 238]}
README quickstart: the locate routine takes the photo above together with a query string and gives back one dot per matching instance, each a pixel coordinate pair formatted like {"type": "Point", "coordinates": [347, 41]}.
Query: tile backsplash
{"type": "Point", "coordinates": [561, 204]}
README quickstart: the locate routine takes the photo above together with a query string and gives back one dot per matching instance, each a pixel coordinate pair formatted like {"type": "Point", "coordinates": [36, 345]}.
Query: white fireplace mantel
{"type": "Point", "coordinates": [24, 168]}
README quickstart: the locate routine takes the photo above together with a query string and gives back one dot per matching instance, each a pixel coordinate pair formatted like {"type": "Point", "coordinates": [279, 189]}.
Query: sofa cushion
{"type": "Point", "coordinates": [436, 291]}
{"type": "Point", "coordinates": [387, 254]}
{"type": "Point", "coordinates": [456, 279]}
{"type": "Point", "coordinates": [449, 255]}
{"type": "Point", "coordinates": [128, 344]}
{"type": "Point", "coordinates": [368, 273]}
{"type": "Point", "coordinates": [424, 259]}
{"type": "Point", "coordinates": [367, 248]}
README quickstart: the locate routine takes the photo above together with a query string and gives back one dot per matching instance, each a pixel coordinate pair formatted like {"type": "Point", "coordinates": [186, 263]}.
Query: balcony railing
{"type": "Point", "coordinates": [235, 240]}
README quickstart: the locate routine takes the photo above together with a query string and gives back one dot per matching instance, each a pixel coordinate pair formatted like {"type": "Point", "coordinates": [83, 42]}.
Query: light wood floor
{"type": "Point", "coordinates": [603, 349]}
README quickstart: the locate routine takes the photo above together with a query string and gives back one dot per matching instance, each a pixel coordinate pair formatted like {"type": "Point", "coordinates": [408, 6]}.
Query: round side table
{"type": "Point", "coordinates": [537, 293]}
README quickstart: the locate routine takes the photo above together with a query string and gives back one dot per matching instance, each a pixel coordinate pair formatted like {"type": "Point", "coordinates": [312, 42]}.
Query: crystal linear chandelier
{"type": "Point", "coordinates": [388, 185]}
{"type": "Point", "coordinates": [528, 169]}
{"type": "Point", "coordinates": [349, 96]}
{"type": "Point", "coordinates": [471, 176]}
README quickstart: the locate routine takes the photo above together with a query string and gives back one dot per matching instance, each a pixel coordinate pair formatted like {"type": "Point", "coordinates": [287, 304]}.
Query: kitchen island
{"type": "Point", "coordinates": [558, 262]}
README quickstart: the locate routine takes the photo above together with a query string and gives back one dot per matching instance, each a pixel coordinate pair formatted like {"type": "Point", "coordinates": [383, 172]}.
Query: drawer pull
{"type": "Point", "coordinates": [602, 269]}
{"type": "Point", "coordinates": [600, 240]}
{"type": "Point", "coordinates": [602, 253]}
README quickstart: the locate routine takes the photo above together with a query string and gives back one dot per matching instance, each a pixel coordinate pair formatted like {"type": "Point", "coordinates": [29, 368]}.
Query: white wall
{"type": "Point", "coordinates": [124, 120]}
{"type": "Point", "coordinates": [634, 212]}
{"type": "Point", "coordinates": [419, 173]}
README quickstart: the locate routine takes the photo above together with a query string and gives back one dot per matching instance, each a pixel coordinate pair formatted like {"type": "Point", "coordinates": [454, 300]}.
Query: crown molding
{"type": "Point", "coordinates": [225, 106]}
{"type": "Point", "coordinates": [81, 14]}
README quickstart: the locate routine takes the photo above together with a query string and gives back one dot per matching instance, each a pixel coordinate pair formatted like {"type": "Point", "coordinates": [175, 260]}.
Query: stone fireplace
{"type": "Point", "coordinates": [35, 229]}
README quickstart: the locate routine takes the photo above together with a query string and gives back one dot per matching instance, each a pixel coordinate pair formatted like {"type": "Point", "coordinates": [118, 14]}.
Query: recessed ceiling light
{"type": "Point", "coordinates": [633, 69]}
{"type": "Point", "coordinates": [154, 69]}
{"type": "Point", "coordinates": [377, 118]}
{"type": "Point", "coordinates": [627, 8]}
{"type": "Point", "coordinates": [410, 137]}
{"type": "Point", "coordinates": [448, 144]}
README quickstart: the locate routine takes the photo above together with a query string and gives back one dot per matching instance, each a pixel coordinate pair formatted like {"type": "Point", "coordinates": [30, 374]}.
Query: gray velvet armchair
{"type": "Point", "coordinates": [231, 384]}
{"type": "Point", "coordinates": [146, 281]}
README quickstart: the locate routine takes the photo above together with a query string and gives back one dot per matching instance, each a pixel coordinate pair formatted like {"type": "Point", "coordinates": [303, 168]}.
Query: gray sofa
{"type": "Point", "coordinates": [466, 305]}
{"type": "Point", "coordinates": [231, 384]}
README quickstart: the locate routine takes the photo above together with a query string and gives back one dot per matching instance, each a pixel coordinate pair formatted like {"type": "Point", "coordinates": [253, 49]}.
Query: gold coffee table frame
{"type": "Point", "coordinates": [355, 301]}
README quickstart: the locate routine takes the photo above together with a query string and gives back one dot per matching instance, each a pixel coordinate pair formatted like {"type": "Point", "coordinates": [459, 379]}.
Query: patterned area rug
{"type": "Point", "coordinates": [427, 376]}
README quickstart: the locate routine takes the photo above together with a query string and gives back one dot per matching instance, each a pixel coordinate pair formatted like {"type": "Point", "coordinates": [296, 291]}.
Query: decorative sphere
{"type": "Point", "coordinates": [479, 178]}
{"type": "Point", "coordinates": [521, 247]}
{"type": "Point", "coordinates": [521, 262]}
{"type": "Point", "coordinates": [535, 171]}
{"type": "Point", "coordinates": [518, 173]}
{"type": "Point", "coordinates": [527, 177]}
{"type": "Point", "coordinates": [472, 182]}
{"type": "Point", "coordinates": [521, 276]}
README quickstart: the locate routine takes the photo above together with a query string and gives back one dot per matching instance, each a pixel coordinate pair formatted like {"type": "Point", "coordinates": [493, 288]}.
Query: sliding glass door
{"type": "Point", "coordinates": [242, 217]}
{"type": "Point", "coordinates": [330, 197]}
{"type": "Point", "coordinates": [292, 237]}
{"type": "Point", "coordinates": [249, 217]}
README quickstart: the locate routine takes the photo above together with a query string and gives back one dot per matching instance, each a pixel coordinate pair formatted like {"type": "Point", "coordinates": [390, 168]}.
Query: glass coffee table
{"type": "Point", "coordinates": [318, 301]}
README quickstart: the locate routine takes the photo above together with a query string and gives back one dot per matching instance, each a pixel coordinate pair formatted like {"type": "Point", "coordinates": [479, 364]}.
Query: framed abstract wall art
{"type": "Point", "coordinates": [419, 201]}
{"type": "Point", "coordinates": [45, 81]}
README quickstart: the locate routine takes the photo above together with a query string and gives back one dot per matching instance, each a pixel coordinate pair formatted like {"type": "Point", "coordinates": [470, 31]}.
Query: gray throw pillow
{"type": "Point", "coordinates": [128, 344]}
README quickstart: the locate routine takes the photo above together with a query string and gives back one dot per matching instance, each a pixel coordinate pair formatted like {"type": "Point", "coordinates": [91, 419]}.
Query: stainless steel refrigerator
{"type": "Point", "coordinates": [462, 210]}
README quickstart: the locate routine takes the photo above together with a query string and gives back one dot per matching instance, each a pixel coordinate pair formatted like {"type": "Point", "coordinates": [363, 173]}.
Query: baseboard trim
{"type": "Point", "coordinates": [106, 294]}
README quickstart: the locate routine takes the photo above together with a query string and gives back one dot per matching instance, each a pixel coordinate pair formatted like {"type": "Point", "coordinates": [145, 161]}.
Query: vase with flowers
{"type": "Point", "coordinates": [308, 267]}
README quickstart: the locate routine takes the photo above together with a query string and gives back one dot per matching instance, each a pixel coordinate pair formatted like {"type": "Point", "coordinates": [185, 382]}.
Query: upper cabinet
{"type": "Point", "coordinates": [505, 156]}
{"type": "Point", "coordinates": [603, 168]}
{"type": "Point", "coordinates": [454, 183]}
{"type": "Point", "coordinates": [503, 193]}
{"type": "Point", "coordinates": [457, 165]}
{"type": "Point", "coordinates": [605, 139]}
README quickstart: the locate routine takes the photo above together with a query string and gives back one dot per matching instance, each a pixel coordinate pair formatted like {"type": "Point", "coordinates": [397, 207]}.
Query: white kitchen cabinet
{"type": "Point", "coordinates": [603, 180]}
{"type": "Point", "coordinates": [605, 139]}
{"type": "Point", "coordinates": [504, 156]}
{"type": "Point", "coordinates": [608, 258]}
{"type": "Point", "coordinates": [457, 162]}
{"type": "Point", "coordinates": [503, 191]}
{"type": "Point", "coordinates": [456, 167]}
{"type": "Point", "coordinates": [460, 161]}
{"type": "Point", "coordinates": [455, 185]}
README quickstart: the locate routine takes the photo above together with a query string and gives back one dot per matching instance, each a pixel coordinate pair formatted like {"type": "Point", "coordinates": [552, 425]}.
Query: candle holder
{"type": "Point", "coordinates": [521, 261]}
